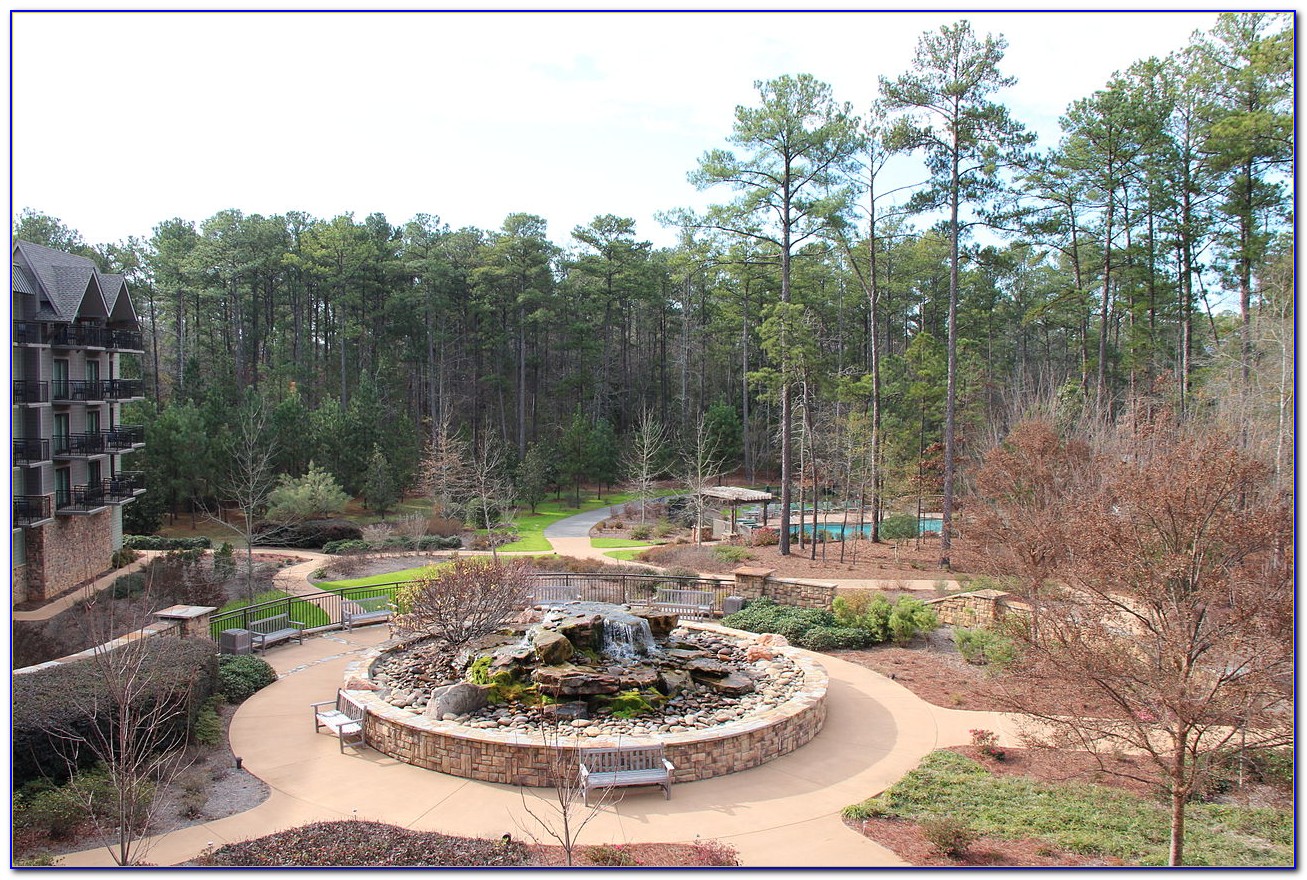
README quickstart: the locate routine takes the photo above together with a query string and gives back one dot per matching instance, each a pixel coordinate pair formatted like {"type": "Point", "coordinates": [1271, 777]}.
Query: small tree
{"type": "Point", "coordinates": [1167, 596]}
{"type": "Point", "coordinates": [535, 474]}
{"type": "Point", "coordinates": [492, 506]}
{"type": "Point", "coordinates": [312, 496]}
{"type": "Point", "coordinates": [250, 451]}
{"type": "Point", "coordinates": [644, 457]}
{"type": "Point", "coordinates": [445, 472]}
{"type": "Point", "coordinates": [379, 490]}
{"type": "Point", "coordinates": [563, 813]}
{"type": "Point", "coordinates": [464, 600]}
{"type": "Point", "coordinates": [700, 465]}
{"type": "Point", "coordinates": [574, 453]}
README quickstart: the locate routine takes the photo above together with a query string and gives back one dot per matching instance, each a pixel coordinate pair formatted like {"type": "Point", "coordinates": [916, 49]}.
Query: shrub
{"type": "Point", "coordinates": [207, 730]}
{"type": "Point", "coordinates": [338, 548]}
{"type": "Point", "coordinates": [987, 742]}
{"type": "Point", "coordinates": [833, 638]}
{"type": "Point", "coordinates": [871, 808]}
{"type": "Point", "coordinates": [610, 856]}
{"type": "Point", "coordinates": [865, 610]}
{"type": "Point", "coordinates": [765, 537]}
{"type": "Point", "coordinates": [154, 542]}
{"type": "Point", "coordinates": [949, 834]}
{"type": "Point", "coordinates": [123, 556]}
{"type": "Point", "coordinates": [444, 525]}
{"type": "Point", "coordinates": [641, 532]}
{"type": "Point", "coordinates": [478, 509]}
{"type": "Point", "coordinates": [909, 618]}
{"type": "Point", "coordinates": [312, 534]}
{"type": "Point", "coordinates": [128, 586]}
{"type": "Point", "coordinates": [729, 553]}
{"type": "Point", "coordinates": [663, 528]}
{"type": "Point", "coordinates": [985, 647]}
{"type": "Point", "coordinates": [715, 854]}
{"type": "Point", "coordinates": [900, 527]}
{"type": "Point", "coordinates": [439, 542]}
{"type": "Point", "coordinates": [224, 561]}
{"type": "Point", "coordinates": [49, 702]}
{"type": "Point", "coordinates": [240, 676]}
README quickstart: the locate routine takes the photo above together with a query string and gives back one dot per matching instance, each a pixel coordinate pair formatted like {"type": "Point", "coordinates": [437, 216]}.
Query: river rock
{"type": "Point", "coordinates": [754, 653]}
{"type": "Point", "coordinates": [638, 677]}
{"type": "Point", "coordinates": [574, 681]}
{"type": "Point", "coordinates": [575, 710]}
{"type": "Point", "coordinates": [674, 681]}
{"type": "Point", "coordinates": [661, 623]}
{"type": "Point", "coordinates": [706, 667]}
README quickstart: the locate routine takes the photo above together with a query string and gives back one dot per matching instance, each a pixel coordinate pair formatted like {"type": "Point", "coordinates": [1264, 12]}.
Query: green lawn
{"type": "Point", "coordinates": [611, 543]}
{"type": "Point", "coordinates": [530, 527]}
{"type": "Point", "coordinates": [1082, 818]}
{"type": "Point", "coordinates": [625, 555]}
{"type": "Point", "coordinates": [406, 574]}
{"type": "Point", "coordinates": [305, 612]}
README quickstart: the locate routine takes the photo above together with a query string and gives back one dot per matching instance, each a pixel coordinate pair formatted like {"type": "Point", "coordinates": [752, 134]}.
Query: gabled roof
{"type": "Point", "coordinates": [72, 286]}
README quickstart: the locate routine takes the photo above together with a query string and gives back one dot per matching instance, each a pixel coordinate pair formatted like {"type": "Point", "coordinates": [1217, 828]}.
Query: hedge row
{"type": "Point", "coordinates": [395, 542]}
{"type": "Point", "coordinates": [55, 706]}
{"type": "Point", "coordinates": [154, 542]}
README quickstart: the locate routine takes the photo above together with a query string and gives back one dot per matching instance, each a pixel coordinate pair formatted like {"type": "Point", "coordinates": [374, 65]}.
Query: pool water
{"type": "Point", "coordinates": [927, 525]}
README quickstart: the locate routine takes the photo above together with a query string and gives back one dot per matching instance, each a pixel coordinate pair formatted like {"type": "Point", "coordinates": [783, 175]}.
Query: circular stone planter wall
{"type": "Point", "coordinates": [526, 759]}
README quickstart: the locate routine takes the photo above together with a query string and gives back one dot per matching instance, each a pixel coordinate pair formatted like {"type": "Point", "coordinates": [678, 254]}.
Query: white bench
{"type": "Point", "coordinates": [687, 603]}
{"type": "Point", "coordinates": [344, 719]}
{"type": "Point", "coordinates": [626, 765]}
{"type": "Point", "coordinates": [274, 629]}
{"type": "Point", "coordinates": [373, 609]}
{"type": "Point", "coordinates": [549, 594]}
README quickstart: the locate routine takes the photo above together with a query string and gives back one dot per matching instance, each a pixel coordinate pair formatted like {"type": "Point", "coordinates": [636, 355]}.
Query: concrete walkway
{"type": "Point", "coordinates": [783, 814]}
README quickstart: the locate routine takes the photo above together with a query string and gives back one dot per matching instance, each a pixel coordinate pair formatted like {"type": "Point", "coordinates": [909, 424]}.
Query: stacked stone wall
{"type": "Point", "coordinates": [64, 553]}
{"type": "Point", "coordinates": [982, 608]}
{"type": "Point", "coordinates": [754, 584]}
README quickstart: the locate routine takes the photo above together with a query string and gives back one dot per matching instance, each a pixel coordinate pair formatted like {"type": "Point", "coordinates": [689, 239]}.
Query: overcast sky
{"type": "Point", "coordinates": [123, 120]}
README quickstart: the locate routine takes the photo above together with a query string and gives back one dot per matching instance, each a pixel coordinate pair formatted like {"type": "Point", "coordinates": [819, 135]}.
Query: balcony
{"type": "Point", "coordinates": [28, 391]}
{"type": "Point", "coordinates": [30, 451]}
{"type": "Point", "coordinates": [127, 340]}
{"type": "Point", "coordinates": [80, 445]}
{"type": "Point", "coordinates": [124, 486]}
{"type": "Point", "coordinates": [80, 336]}
{"type": "Point", "coordinates": [79, 390]}
{"type": "Point", "coordinates": [124, 389]}
{"type": "Point", "coordinates": [79, 499]}
{"type": "Point", "coordinates": [33, 510]}
{"type": "Point", "coordinates": [124, 437]}
{"type": "Point", "coordinates": [28, 333]}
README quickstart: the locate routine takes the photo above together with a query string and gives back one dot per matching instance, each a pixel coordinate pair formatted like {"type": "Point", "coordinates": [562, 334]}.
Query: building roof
{"type": "Point", "coordinates": [21, 283]}
{"type": "Point", "coordinates": [737, 494]}
{"type": "Point", "coordinates": [71, 286]}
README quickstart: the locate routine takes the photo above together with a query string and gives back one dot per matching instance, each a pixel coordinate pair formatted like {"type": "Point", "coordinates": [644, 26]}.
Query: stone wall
{"type": "Point", "coordinates": [982, 608]}
{"type": "Point", "coordinates": [67, 552]}
{"type": "Point", "coordinates": [18, 585]}
{"type": "Point", "coordinates": [757, 583]}
{"type": "Point", "coordinates": [527, 759]}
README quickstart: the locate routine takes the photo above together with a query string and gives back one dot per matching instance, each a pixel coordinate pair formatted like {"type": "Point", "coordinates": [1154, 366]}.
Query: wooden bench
{"type": "Point", "coordinates": [274, 629]}
{"type": "Point", "coordinates": [344, 719]}
{"type": "Point", "coordinates": [356, 612]}
{"type": "Point", "coordinates": [624, 766]}
{"type": "Point", "coordinates": [687, 603]}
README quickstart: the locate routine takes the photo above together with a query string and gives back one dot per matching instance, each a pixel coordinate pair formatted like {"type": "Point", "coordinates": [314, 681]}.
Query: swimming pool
{"type": "Point", "coordinates": [835, 530]}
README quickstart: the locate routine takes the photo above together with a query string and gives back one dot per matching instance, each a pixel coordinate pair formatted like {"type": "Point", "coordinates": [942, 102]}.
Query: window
{"type": "Point", "coordinates": [60, 383]}
{"type": "Point", "coordinates": [61, 433]}
{"type": "Point", "coordinates": [92, 421]}
{"type": "Point", "coordinates": [92, 371]}
{"type": "Point", "coordinates": [63, 487]}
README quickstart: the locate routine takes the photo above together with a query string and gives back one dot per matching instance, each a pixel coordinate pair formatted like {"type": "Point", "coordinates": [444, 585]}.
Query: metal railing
{"type": "Point", "coordinates": [30, 509]}
{"type": "Point", "coordinates": [323, 610]}
{"type": "Point", "coordinates": [124, 436]}
{"type": "Point", "coordinates": [28, 333]}
{"type": "Point", "coordinates": [79, 498]}
{"type": "Point", "coordinates": [31, 391]}
{"type": "Point", "coordinates": [29, 449]}
{"type": "Point", "coordinates": [76, 445]}
{"type": "Point", "coordinates": [79, 389]}
{"type": "Point", "coordinates": [124, 485]}
{"type": "Point", "coordinates": [124, 389]}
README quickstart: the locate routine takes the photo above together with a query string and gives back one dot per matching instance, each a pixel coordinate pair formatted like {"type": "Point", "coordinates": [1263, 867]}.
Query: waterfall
{"type": "Point", "coordinates": [627, 637]}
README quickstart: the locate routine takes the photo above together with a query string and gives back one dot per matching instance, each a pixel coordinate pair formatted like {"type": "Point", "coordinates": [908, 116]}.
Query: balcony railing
{"type": "Point", "coordinates": [79, 445]}
{"type": "Point", "coordinates": [124, 436]}
{"type": "Point", "coordinates": [87, 336]}
{"type": "Point", "coordinates": [79, 499]}
{"type": "Point", "coordinates": [124, 486]}
{"type": "Point", "coordinates": [28, 450]}
{"type": "Point", "coordinates": [79, 390]}
{"type": "Point", "coordinates": [124, 389]}
{"type": "Point", "coordinates": [28, 333]}
{"type": "Point", "coordinates": [128, 340]}
{"type": "Point", "coordinates": [32, 509]}
{"type": "Point", "coordinates": [30, 391]}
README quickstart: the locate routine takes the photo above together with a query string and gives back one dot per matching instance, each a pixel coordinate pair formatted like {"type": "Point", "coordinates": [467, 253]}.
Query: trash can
{"type": "Point", "coordinates": [732, 604]}
{"type": "Point", "coordinates": [235, 641]}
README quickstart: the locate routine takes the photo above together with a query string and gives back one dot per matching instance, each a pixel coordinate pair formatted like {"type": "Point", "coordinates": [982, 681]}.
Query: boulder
{"type": "Point", "coordinates": [551, 648]}
{"type": "Point", "coordinates": [584, 630]}
{"type": "Point", "coordinates": [457, 699]}
{"type": "Point", "coordinates": [638, 677]}
{"type": "Point", "coordinates": [573, 711]}
{"type": "Point", "coordinates": [684, 653]}
{"type": "Point", "coordinates": [775, 640]}
{"type": "Point", "coordinates": [706, 667]}
{"type": "Point", "coordinates": [754, 653]}
{"type": "Point", "coordinates": [661, 623]}
{"type": "Point", "coordinates": [574, 681]}
{"type": "Point", "coordinates": [732, 685]}
{"type": "Point", "coordinates": [673, 681]}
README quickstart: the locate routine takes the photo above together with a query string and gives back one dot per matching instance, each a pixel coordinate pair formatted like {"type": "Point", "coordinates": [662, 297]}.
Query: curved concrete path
{"type": "Point", "coordinates": [783, 814]}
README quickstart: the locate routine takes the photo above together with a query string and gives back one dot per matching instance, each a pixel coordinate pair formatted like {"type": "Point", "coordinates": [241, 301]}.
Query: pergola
{"type": "Point", "coordinates": [734, 496]}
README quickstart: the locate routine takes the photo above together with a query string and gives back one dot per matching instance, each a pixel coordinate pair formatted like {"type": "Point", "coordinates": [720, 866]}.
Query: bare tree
{"type": "Point", "coordinates": [250, 477]}
{"type": "Point", "coordinates": [445, 472]}
{"type": "Point", "coordinates": [642, 459]}
{"type": "Point", "coordinates": [700, 465]}
{"type": "Point", "coordinates": [1166, 594]}
{"type": "Point", "coordinates": [487, 478]}
{"type": "Point", "coordinates": [135, 726]}
{"type": "Point", "coordinates": [464, 600]}
{"type": "Point", "coordinates": [563, 813]}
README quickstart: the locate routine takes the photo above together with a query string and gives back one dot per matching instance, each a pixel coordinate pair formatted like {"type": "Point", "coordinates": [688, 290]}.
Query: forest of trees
{"type": "Point", "coordinates": [838, 333]}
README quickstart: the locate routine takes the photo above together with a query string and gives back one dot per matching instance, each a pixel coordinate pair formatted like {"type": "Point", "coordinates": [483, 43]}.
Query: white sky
{"type": "Point", "coordinates": [122, 120]}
